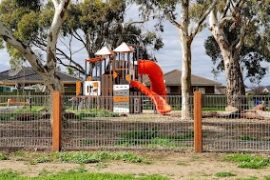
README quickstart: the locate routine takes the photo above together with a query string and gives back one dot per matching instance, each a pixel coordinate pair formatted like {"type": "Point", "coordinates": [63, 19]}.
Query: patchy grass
{"type": "Point", "coordinates": [250, 178]}
{"type": "Point", "coordinates": [82, 114]}
{"type": "Point", "coordinates": [213, 109]}
{"type": "Point", "coordinates": [224, 174]}
{"type": "Point", "coordinates": [79, 175]}
{"type": "Point", "coordinates": [248, 160]}
{"type": "Point", "coordinates": [23, 113]}
{"type": "Point", "coordinates": [3, 157]}
{"type": "Point", "coordinates": [8, 175]}
{"type": "Point", "coordinates": [33, 109]}
{"type": "Point", "coordinates": [86, 157]}
{"type": "Point", "coordinates": [248, 138]}
{"type": "Point", "coordinates": [79, 157]}
{"type": "Point", "coordinates": [151, 138]}
{"type": "Point", "coordinates": [40, 159]}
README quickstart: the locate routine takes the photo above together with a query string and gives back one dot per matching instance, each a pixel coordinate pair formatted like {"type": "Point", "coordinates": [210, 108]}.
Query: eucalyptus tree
{"type": "Point", "coordinates": [239, 26]}
{"type": "Point", "coordinates": [188, 17]}
{"type": "Point", "coordinates": [12, 32]}
{"type": "Point", "coordinates": [95, 23]}
{"type": "Point", "coordinates": [90, 24]}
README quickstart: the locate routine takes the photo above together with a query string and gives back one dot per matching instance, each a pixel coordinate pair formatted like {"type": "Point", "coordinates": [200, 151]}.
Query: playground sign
{"type": "Point", "coordinates": [121, 98]}
{"type": "Point", "coordinates": [91, 88]}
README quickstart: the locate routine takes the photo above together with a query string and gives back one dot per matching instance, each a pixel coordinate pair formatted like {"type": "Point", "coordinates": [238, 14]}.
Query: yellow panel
{"type": "Point", "coordinates": [128, 77]}
{"type": "Point", "coordinates": [120, 99]}
{"type": "Point", "coordinates": [78, 88]}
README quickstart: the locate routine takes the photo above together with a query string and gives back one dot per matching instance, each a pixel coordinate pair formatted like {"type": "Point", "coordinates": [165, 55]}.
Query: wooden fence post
{"type": "Point", "coordinates": [78, 88]}
{"type": "Point", "coordinates": [56, 121]}
{"type": "Point", "coordinates": [198, 147]}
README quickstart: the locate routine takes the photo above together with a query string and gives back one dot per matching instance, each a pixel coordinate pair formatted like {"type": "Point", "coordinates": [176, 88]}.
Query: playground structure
{"type": "Point", "coordinates": [113, 77]}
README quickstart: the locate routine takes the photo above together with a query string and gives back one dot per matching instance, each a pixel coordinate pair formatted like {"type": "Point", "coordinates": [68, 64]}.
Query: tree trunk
{"type": "Point", "coordinates": [186, 76]}
{"type": "Point", "coordinates": [231, 55]}
{"type": "Point", "coordinates": [235, 83]}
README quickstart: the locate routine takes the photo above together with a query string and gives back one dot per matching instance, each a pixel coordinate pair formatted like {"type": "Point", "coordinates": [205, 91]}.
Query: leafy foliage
{"type": "Point", "coordinates": [254, 52]}
{"type": "Point", "coordinates": [93, 23]}
{"type": "Point", "coordinates": [251, 58]}
{"type": "Point", "coordinates": [102, 23]}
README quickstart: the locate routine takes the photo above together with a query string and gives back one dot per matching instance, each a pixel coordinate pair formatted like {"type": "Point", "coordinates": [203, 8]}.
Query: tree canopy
{"type": "Point", "coordinates": [255, 49]}
{"type": "Point", "coordinates": [91, 23]}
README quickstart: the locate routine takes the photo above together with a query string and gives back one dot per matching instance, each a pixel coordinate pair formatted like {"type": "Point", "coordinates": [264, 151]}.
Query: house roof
{"type": "Point", "coordinates": [173, 78]}
{"type": "Point", "coordinates": [27, 74]}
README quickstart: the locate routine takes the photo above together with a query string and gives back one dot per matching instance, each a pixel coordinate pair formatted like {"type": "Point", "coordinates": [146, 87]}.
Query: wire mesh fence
{"type": "Point", "coordinates": [97, 123]}
{"type": "Point", "coordinates": [92, 123]}
{"type": "Point", "coordinates": [25, 122]}
{"type": "Point", "coordinates": [245, 128]}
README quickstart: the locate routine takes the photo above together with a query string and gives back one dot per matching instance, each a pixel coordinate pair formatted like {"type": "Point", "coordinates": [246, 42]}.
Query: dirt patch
{"type": "Point", "coordinates": [173, 165]}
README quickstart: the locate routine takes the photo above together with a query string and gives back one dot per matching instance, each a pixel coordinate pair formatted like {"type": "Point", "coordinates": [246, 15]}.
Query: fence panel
{"type": "Point", "coordinates": [90, 123]}
{"type": "Point", "coordinates": [238, 131]}
{"type": "Point", "coordinates": [25, 122]}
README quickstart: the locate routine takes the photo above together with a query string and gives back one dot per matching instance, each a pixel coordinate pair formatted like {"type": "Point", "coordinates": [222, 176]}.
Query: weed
{"type": "Point", "coordinates": [152, 138]}
{"type": "Point", "coordinates": [40, 159]}
{"type": "Point", "coordinates": [224, 174]}
{"type": "Point", "coordinates": [77, 157]}
{"type": "Point", "coordinates": [181, 163]}
{"type": "Point", "coordinates": [3, 157]}
{"type": "Point", "coordinates": [93, 113]}
{"type": "Point", "coordinates": [248, 161]}
{"type": "Point", "coordinates": [87, 157]}
{"type": "Point", "coordinates": [251, 178]}
{"type": "Point", "coordinates": [248, 138]}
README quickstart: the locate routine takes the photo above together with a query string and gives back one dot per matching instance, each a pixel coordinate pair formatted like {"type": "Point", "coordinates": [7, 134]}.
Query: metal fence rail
{"type": "Point", "coordinates": [236, 131]}
{"type": "Point", "coordinates": [92, 124]}
{"type": "Point", "coordinates": [24, 122]}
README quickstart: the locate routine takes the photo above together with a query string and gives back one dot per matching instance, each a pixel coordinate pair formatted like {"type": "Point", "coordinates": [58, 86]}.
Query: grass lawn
{"type": "Point", "coordinates": [78, 175]}
{"type": "Point", "coordinates": [160, 165]}
{"type": "Point", "coordinates": [79, 157]}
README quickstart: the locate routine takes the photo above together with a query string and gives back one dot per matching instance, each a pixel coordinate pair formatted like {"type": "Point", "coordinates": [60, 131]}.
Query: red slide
{"type": "Point", "coordinates": [158, 88]}
{"type": "Point", "coordinates": [155, 75]}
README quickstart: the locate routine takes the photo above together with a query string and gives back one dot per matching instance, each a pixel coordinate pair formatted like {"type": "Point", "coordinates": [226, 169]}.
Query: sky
{"type": "Point", "coordinates": [169, 57]}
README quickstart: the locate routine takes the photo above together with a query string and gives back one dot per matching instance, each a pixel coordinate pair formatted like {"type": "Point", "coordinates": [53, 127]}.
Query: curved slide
{"type": "Point", "coordinates": [158, 88]}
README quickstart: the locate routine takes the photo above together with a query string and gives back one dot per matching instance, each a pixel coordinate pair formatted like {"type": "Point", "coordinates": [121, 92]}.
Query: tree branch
{"type": "Point", "coordinates": [241, 38]}
{"type": "Point", "coordinates": [69, 65]}
{"type": "Point", "coordinates": [202, 19]}
{"type": "Point", "coordinates": [60, 52]}
{"type": "Point", "coordinates": [25, 50]}
{"type": "Point", "coordinates": [53, 33]}
{"type": "Point", "coordinates": [76, 35]}
{"type": "Point", "coordinates": [226, 9]}
{"type": "Point", "coordinates": [55, 3]}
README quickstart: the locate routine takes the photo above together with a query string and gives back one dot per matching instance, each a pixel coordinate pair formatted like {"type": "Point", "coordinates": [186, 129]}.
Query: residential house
{"type": "Point", "coordinates": [27, 78]}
